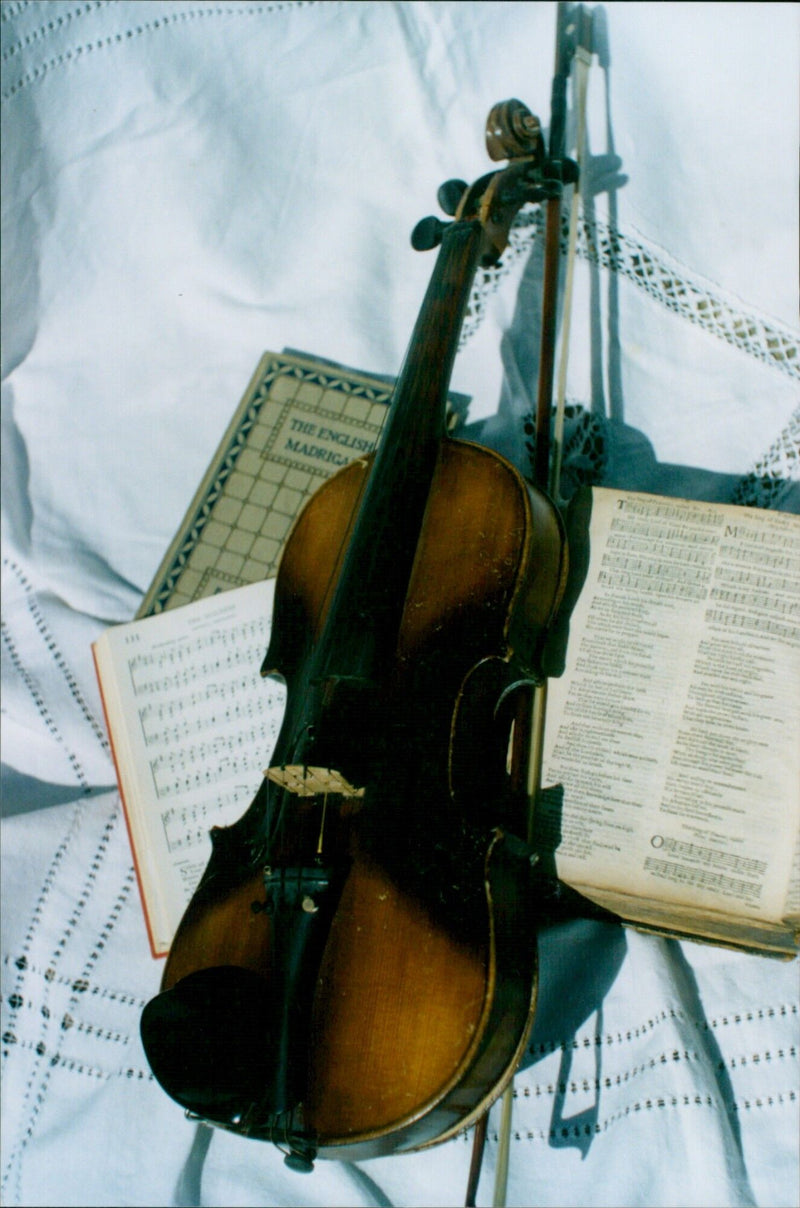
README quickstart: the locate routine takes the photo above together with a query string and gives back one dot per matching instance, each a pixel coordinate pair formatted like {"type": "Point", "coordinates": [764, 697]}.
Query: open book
{"type": "Point", "coordinates": [673, 737]}
{"type": "Point", "coordinates": [192, 726]}
{"type": "Point", "coordinates": [672, 745]}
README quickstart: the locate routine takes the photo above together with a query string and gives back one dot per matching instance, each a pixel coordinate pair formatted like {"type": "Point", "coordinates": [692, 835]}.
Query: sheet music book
{"type": "Point", "coordinates": [672, 757]}
{"type": "Point", "coordinates": [192, 726]}
{"type": "Point", "coordinates": [673, 737]}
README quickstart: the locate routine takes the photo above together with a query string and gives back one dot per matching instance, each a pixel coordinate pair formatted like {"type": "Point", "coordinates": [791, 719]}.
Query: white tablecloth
{"type": "Point", "coordinates": [187, 184]}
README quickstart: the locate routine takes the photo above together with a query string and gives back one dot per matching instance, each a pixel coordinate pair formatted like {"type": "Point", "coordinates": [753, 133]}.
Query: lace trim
{"type": "Point", "coordinates": [585, 457]}
{"type": "Point", "coordinates": [606, 246]}
{"type": "Point", "coordinates": [584, 454]}
{"type": "Point", "coordinates": [527, 228]}
{"type": "Point", "coordinates": [772, 475]}
{"type": "Point", "coordinates": [766, 341]}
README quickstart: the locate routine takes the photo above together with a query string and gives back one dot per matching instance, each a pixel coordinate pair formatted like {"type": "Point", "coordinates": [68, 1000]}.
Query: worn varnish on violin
{"type": "Point", "coordinates": [356, 972]}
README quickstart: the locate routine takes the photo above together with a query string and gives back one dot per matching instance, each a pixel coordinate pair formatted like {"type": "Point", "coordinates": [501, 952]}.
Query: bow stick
{"type": "Point", "coordinates": [573, 45]}
{"type": "Point", "coordinates": [582, 63]}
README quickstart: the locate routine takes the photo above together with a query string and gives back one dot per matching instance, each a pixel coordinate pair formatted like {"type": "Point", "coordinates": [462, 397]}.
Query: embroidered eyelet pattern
{"type": "Point", "coordinates": [584, 455]}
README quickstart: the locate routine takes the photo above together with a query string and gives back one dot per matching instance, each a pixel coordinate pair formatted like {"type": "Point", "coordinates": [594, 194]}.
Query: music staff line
{"type": "Point", "coordinates": [184, 677]}
{"type": "Point", "coordinates": [247, 763]}
{"type": "Point", "coordinates": [186, 827]}
{"type": "Point", "coordinates": [159, 729]}
{"type": "Point", "coordinates": [250, 632]}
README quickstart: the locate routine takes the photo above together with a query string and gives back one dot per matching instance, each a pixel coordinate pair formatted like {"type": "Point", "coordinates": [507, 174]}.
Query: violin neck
{"type": "Point", "coordinates": [419, 402]}
{"type": "Point", "coordinates": [367, 606]}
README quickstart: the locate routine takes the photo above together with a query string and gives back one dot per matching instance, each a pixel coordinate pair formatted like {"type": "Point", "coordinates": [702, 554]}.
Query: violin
{"type": "Point", "coordinates": [356, 972]}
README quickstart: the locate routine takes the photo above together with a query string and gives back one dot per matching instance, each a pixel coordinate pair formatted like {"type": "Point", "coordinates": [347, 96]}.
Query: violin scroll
{"type": "Point", "coordinates": [513, 131]}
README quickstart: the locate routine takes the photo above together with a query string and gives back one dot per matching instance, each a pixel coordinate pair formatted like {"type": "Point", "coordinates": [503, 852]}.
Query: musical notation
{"type": "Point", "coordinates": [676, 720]}
{"type": "Point", "coordinates": [206, 719]}
{"type": "Point", "coordinates": [758, 625]}
{"type": "Point", "coordinates": [193, 727]}
{"type": "Point", "coordinates": [185, 777]}
{"type": "Point", "coordinates": [230, 704]}
{"type": "Point", "coordinates": [182, 666]}
{"type": "Point", "coordinates": [186, 826]}
{"type": "Point", "coordinates": [700, 878]}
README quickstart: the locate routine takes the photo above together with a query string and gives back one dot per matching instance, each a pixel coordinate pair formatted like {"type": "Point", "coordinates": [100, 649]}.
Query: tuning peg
{"type": "Point", "coordinates": [450, 194]}
{"type": "Point", "coordinates": [427, 233]}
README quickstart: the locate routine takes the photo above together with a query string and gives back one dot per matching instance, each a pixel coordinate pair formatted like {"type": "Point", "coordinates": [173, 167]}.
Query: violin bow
{"type": "Point", "coordinates": [575, 40]}
{"type": "Point", "coordinates": [573, 55]}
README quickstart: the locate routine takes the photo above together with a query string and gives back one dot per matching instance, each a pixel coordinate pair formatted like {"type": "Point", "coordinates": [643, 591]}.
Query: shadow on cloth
{"type": "Point", "coordinates": [578, 962]}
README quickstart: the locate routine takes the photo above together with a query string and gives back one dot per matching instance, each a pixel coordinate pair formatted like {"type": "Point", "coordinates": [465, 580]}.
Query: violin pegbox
{"type": "Point", "coordinates": [512, 133]}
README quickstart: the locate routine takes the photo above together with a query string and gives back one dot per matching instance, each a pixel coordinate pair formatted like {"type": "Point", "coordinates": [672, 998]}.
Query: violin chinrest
{"type": "Point", "coordinates": [209, 1042]}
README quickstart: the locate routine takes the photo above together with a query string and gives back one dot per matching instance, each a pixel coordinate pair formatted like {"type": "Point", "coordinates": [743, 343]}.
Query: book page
{"type": "Point", "coordinates": [673, 738]}
{"type": "Point", "coordinates": [791, 908]}
{"type": "Point", "coordinates": [193, 726]}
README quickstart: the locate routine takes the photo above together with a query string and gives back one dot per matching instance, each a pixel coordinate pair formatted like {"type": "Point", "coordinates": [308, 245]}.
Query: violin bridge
{"type": "Point", "coordinates": [306, 781]}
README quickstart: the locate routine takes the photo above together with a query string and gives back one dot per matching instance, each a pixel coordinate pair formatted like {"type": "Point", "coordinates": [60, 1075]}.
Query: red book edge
{"type": "Point", "coordinates": [156, 952]}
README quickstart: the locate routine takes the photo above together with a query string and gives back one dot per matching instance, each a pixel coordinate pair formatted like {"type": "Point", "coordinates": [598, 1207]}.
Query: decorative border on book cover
{"type": "Point", "coordinates": [301, 420]}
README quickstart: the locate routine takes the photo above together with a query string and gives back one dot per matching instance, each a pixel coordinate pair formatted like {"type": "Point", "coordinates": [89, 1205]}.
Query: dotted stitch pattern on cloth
{"type": "Point", "coordinates": [727, 1099]}
{"type": "Point", "coordinates": [41, 705]}
{"type": "Point", "coordinates": [75, 53]}
{"type": "Point", "coordinates": [598, 242]}
{"type": "Point", "coordinates": [54, 1025]}
{"type": "Point", "coordinates": [639, 265]}
{"type": "Point", "coordinates": [60, 661]}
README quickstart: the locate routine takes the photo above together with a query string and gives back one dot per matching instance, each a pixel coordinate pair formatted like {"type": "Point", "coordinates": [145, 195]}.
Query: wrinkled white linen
{"type": "Point", "coordinates": [187, 184]}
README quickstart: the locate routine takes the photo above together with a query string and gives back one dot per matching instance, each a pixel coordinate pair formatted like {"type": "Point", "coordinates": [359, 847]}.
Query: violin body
{"type": "Point", "coordinates": [356, 973]}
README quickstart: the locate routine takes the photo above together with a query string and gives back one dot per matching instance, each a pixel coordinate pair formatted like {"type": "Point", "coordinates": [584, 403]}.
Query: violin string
{"type": "Point", "coordinates": [320, 840]}
{"type": "Point", "coordinates": [352, 519]}
{"type": "Point", "coordinates": [319, 626]}
{"type": "Point", "coordinates": [277, 821]}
